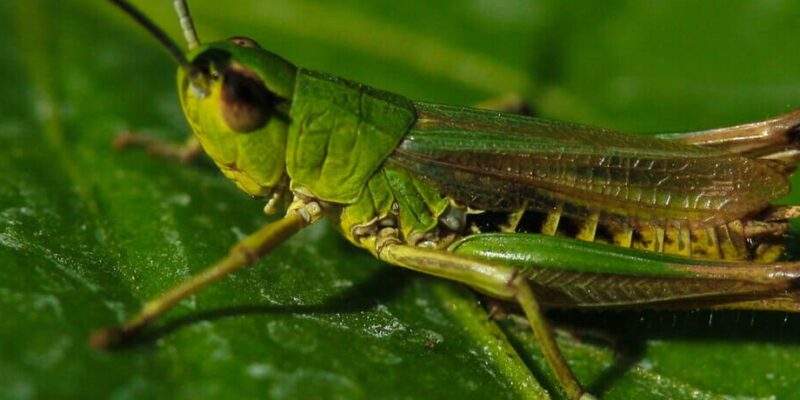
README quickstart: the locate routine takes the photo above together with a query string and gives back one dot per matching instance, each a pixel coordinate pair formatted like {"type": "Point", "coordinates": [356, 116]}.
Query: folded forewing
{"type": "Point", "coordinates": [501, 162]}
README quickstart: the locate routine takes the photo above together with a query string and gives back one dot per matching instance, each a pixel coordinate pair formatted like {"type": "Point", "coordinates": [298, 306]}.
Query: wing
{"type": "Point", "coordinates": [503, 162]}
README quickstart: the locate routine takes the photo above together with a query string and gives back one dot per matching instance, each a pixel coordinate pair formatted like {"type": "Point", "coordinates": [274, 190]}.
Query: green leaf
{"type": "Point", "coordinates": [88, 234]}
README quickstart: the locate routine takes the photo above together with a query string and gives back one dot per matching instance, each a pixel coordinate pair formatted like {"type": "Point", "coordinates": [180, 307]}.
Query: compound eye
{"type": "Point", "coordinates": [244, 42]}
{"type": "Point", "coordinates": [246, 103]}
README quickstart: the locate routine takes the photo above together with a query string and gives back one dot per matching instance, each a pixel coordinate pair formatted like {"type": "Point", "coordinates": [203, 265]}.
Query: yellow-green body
{"type": "Point", "coordinates": [385, 169]}
{"type": "Point", "coordinates": [377, 159]}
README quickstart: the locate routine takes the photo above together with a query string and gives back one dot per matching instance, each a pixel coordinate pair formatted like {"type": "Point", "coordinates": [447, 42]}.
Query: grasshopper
{"type": "Point", "coordinates": [542, 213]}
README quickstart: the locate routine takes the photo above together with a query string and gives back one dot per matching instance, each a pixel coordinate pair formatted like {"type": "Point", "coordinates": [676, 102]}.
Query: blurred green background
{"type": "Point", "coordinates": [86, 234]}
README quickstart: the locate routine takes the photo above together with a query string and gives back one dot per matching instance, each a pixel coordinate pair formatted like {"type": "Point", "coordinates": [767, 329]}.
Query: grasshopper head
{"type": "Point", "coordinates": [236, 97]}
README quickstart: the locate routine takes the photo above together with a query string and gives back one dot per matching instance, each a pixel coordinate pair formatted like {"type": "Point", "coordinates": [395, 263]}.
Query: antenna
{"type": "Point", "coordinates": [187, 25]}
{"type": "Point", "coordinates": [147, 24]}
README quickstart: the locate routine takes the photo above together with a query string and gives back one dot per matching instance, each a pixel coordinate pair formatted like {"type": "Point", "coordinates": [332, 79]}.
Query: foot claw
{"type": "Point", "coordinates": [109, 338]}
{"type": "Point", "coordinates": [105, 339]}
{"type": "Point", "coordinates": [123, 140]}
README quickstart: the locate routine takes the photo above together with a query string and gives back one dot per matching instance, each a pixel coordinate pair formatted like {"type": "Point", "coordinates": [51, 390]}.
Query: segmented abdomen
{"type": "Point", "coordinates": [756, 240]}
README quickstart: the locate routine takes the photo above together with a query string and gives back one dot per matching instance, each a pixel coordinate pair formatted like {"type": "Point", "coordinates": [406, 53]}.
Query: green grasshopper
{"type": "Point", "coordinates": [541, 213]}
